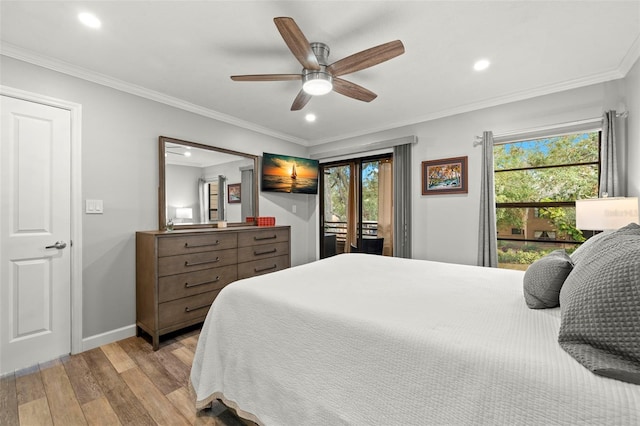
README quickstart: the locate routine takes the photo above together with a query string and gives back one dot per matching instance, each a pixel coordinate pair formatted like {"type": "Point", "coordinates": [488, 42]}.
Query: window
{"type": "Point", "coordinates": [536, 184]}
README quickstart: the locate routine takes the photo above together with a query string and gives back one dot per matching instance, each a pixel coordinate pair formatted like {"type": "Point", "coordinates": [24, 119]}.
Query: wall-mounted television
{"type": "Point", "coordinates": [284, 173]}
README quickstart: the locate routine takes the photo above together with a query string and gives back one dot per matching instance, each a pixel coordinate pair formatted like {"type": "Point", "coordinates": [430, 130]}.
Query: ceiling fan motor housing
{"type": "Point", "coordinates": [321, 51]}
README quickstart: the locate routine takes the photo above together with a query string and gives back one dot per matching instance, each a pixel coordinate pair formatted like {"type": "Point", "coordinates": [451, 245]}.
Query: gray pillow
{"type": "Point", "coordinates": [587, 246]}
{"type": "Point", "coordinates": [600, 308]}
{"type": "Point", "coordinates": [544, 278]}
{"type": "Point", "coordinates": [591, 243]}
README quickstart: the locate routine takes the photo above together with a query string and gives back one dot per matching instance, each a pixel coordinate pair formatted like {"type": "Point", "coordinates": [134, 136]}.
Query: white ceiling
{"type": "Point", "coordinates": [183, 52]}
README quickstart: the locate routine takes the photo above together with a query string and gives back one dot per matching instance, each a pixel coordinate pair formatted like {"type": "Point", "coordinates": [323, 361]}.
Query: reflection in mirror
{"type": "Point", "coordinates": [195, 181]}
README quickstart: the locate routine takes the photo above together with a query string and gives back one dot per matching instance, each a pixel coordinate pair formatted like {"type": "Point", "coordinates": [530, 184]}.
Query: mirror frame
{"type": "Point", "coordinates": [162, 200]}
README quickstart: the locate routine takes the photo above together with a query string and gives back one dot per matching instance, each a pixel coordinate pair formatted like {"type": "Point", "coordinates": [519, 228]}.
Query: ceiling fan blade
{"type": "Point", "coordinates": [297, 42]}
{"type": "Point", "coordinates": [352, 90]}
{"type": "Point", "coordinates": [300, 101]}
{"type": "Point", "coordinates": [367, 58]}
{"type": "Point", "coordinates": [266, 77]}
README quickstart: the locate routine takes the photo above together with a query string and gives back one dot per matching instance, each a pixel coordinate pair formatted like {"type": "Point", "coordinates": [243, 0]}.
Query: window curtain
{"type": "Point", "coordinates": [203, 195]}
{"type": "Point", "coordinates": [487, 238]}
{"type": "Point", "coordinates": [222, 190]}
{"type": "Point", "coordinates": [352, 209]}
{"type": "Point", "coordinates": [385, 206]}
{"type": "Point", "coordinates": [246, 192]}
{"type": "Point", "coordinates": [402, 200]}
{"type": "Point", "coordinates": [609, 182]}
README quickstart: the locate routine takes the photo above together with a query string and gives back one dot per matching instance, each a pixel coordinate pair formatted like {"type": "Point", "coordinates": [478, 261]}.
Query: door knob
{"type": "Point", "coordinates": [57, 245]}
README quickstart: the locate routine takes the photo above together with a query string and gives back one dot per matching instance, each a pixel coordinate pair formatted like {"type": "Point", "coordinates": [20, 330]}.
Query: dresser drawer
{"type": "Point", "coordinates": [263, 251]}
{"type": "Point", "coordinates": [195, 262]}
{"type": "Point", "coordinates": [264, 236]}
{"type": "Point", "coordinates": [170, 246]}
{"type": "Point", "coordinates": [185, 309]}
{"type": "Point", "coordinates": [262, 266]}
{"type": "Point", "coordinates": [182, 285]}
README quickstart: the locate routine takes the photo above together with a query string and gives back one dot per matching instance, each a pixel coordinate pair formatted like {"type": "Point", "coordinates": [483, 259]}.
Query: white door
{"type": "Point", "coordinates": [35, 230]}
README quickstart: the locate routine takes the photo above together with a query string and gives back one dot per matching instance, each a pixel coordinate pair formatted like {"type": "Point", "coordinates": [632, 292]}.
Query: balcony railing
{"type": "Point", "coordinates": [369, 229]}
{"type": "Point", "coordinates": [339, 229]}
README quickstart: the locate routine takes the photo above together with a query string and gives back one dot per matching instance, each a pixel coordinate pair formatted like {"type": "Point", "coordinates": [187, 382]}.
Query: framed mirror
{"type": "Point", "coordinates": [202, 185]}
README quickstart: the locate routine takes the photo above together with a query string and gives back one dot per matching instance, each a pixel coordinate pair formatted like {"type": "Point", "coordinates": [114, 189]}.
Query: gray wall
{"type": "Point", "coordinates": [181, 190]}
{"type": "Point", "coordinates": [631, 97]}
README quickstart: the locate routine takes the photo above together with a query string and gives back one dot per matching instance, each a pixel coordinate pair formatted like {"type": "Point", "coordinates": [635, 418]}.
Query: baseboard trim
{"type": "Point", "coordinates": [105, 338]}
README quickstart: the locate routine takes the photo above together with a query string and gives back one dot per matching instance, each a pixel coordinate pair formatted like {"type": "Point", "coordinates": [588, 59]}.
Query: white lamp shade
{"type": "Point", "coordinates": [184, 213]}
{"type": "Point", "coordinates": [599, 214]}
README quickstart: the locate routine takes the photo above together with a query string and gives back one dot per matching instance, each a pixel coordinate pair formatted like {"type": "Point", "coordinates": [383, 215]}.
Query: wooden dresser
{"type": "Point", "coordinates": [180, 273]}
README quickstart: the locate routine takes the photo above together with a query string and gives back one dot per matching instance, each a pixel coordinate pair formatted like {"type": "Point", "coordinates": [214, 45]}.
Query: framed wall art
{"type": "Point", "coordinates": [233, 193]}
{"type": "Point", "coordinates": [445, 176]}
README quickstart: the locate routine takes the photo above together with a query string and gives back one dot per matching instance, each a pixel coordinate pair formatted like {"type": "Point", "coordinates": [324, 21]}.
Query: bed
{"type": "Point", "coordinates": [359, 339]}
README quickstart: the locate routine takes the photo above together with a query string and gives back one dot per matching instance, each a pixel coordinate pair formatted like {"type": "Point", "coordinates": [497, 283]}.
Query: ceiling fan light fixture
{"type": "Point", "coordinates": [317, 83]}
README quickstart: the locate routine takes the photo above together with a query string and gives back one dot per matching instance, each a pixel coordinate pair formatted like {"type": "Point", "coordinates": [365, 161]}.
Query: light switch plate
{"type": "Point", "coordinates": [94, 207]}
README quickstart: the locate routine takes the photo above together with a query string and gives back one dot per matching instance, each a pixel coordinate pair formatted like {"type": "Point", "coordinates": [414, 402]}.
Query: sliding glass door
{"type": "Point", "coordinates": [357, 206]}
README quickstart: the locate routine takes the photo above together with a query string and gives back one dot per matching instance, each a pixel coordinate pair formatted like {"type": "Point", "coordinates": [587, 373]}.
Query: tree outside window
{"type": "Point", "coordinates": [536, 185]}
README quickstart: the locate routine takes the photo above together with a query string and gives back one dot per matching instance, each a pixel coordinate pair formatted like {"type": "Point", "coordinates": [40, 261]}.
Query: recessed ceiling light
{"type": "Point", "coordinates": [310, 117]}
{"type": "Point", "coordinates": [482, 64]}
{"type": "Point", "coordinates": [90, 20]}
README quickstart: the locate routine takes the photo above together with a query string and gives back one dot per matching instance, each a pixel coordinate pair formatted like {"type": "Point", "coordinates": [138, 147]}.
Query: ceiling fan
{"type": "Point", "coordinates": [318, 76]}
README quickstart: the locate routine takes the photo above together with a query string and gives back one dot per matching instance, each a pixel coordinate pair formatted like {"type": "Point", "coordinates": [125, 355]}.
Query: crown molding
{"type": "Point", "coordinates": [631, 57]}
{"type": "Point", "coordinates": [53, 64]}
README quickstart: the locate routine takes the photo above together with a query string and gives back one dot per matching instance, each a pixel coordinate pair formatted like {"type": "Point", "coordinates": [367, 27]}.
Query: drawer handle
{"type": "Point", "coordinates": [187, 285]}
{"type": "Point", "coordinates": [186, 245]}
{"type": "Point", "coordinates": [186, 263]}
{"type": "Point", "coordinates": [188, 309]}
{"type": "Point", "coordinates": [265, 269]}
{"type": "Point", "coordinates": [258, 253]}
{"type": "Point", "coordinates": [273, 237]}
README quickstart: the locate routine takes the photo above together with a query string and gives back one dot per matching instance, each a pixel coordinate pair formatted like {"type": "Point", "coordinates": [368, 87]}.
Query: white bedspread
{"type": "Point", "coordinates": [370, 340]}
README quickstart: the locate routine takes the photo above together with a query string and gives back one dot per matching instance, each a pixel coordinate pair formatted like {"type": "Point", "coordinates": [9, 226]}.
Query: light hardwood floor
{"type": "Point", "coordinates": [122, 383]}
